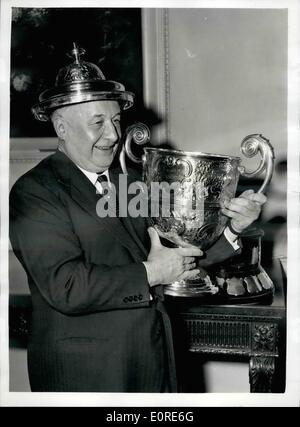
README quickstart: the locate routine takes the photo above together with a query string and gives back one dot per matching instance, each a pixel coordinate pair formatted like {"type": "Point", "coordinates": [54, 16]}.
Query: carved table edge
{"type": "Point", "coordinates": [229, 317]}
{"type": "Point", "coordinates": [231, 351]}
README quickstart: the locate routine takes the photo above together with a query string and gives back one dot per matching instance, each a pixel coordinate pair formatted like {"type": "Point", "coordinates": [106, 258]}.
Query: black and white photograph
{"type": "Point", "coordinates": [150, 203]}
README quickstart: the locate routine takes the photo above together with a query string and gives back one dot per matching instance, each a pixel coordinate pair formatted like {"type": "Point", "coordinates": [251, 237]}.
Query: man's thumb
{"type": "Point", "coordinates": [154, 237]}
{"type": "Point", "coordinates": [247, 193]}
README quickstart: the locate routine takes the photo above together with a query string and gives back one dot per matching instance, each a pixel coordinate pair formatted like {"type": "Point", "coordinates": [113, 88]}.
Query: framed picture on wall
{"type": "Point", "coordinates": [40, 41]}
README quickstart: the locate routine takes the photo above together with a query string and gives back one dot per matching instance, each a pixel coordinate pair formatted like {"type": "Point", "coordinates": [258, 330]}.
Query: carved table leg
{"type": "Point", "coordinates": [261, 371]}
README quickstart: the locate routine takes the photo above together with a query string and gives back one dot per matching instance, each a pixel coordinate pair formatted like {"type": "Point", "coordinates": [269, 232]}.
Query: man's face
{"type": "Point", "coordinates": [92, 134]}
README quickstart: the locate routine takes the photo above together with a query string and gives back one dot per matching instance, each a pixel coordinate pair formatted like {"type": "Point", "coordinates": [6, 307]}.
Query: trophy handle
{"type": "Point", "coordinates": [250, 147]}
{"type": "Point", "coordinates": [140, 134]}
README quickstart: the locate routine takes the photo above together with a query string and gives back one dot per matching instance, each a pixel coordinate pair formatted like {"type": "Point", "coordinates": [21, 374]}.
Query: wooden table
{"type": "Point", "coordinates": [255, 331]}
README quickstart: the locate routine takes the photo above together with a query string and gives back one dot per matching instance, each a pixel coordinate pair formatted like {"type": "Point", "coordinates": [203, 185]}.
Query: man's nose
{"type": "Point", "coordinates": [111, 133]}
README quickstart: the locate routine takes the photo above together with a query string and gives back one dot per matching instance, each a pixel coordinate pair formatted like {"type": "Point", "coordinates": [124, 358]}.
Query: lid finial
{"type": "Point", "coordinates": [76, 52]}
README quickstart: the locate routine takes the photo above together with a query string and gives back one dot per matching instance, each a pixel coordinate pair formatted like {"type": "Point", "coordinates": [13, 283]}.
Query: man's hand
{"type": "Point", "coordinates": [244, 209]}
{"type": "Point", "coordinates": [166, 265]}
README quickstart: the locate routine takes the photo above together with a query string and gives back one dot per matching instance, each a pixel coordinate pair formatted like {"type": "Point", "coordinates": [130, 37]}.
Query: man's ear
{"type": "Point", "coordinates": [60, 126]}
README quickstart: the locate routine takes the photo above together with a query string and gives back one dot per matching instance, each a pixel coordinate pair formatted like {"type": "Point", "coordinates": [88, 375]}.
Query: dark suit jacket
{"type": "Point", "coordinates": [94, 327]}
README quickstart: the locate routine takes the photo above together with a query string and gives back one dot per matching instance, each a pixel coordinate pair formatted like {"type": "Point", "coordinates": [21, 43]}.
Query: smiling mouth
{"type": "Point", "coordinates": [105, 148]}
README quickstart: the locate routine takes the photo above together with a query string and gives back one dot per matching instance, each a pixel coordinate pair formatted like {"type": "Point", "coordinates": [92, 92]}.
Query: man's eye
{"type": "Point", "coordinates": [99, 123]}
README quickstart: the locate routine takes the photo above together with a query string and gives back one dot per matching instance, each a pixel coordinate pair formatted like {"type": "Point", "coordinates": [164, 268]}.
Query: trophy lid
{"type": "Point", "coordinates": [78, 82]}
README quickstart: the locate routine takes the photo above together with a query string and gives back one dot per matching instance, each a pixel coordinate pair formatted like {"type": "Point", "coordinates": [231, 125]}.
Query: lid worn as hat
{"type": "Point", "coordinates": [80, 82]}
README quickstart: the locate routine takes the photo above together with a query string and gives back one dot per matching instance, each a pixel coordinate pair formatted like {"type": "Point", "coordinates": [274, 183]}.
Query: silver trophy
{"type": "Point", "coordinates": [192, 214]}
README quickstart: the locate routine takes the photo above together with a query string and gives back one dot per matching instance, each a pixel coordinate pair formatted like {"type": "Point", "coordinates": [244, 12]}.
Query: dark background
{"type": "Point", "coordinates": [41, 39]}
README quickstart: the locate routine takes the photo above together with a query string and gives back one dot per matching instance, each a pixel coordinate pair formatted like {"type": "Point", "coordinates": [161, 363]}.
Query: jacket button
{"type": "Point", "coordinates": [125, 299]}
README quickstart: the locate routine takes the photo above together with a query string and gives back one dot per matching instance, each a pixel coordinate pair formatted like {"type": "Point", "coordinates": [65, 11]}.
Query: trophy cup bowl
{"type": "Point", "coordinates": [200, 185]}
{"type": "Point", "coordinates": [186, 192]}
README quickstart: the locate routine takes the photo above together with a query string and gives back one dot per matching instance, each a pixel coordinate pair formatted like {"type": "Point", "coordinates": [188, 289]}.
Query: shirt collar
{"type": "Point", "coordinates": [93, 176]}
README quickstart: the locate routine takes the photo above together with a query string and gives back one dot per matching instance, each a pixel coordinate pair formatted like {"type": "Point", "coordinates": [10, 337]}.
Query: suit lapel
{"type": "Point", "coordinates": [84, 193]}
{"type": "Point", "coordinates": [137, 226]}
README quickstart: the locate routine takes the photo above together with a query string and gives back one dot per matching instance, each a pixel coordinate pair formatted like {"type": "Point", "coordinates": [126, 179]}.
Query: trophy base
{"type": "Point", "coordinates": [199, 287]}
{"type": "Point", "coordinates": [248, 288]}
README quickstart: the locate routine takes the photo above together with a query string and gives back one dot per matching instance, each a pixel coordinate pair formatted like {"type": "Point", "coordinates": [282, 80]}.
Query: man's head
{"type": "Point", "coordinates": [89, 133]}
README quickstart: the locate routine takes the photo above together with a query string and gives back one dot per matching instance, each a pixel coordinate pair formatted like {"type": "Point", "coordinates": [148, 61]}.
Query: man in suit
{"type": "Point", "coordinates": [98, 320]}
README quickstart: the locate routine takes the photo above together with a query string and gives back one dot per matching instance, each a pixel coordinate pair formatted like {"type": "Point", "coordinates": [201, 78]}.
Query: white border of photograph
{"type": "Point", "coordinates": [292, 395]}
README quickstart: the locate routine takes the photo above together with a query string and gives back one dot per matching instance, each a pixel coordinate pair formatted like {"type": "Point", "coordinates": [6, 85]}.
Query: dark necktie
{"type": "Point", "coordinates": [102, 178]}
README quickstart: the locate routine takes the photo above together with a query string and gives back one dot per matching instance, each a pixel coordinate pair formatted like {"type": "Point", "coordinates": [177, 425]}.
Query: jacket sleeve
{"type": "Point", "coordinates": [218, 252]}
{"type": "Point", "coordinates": [42, 238]}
